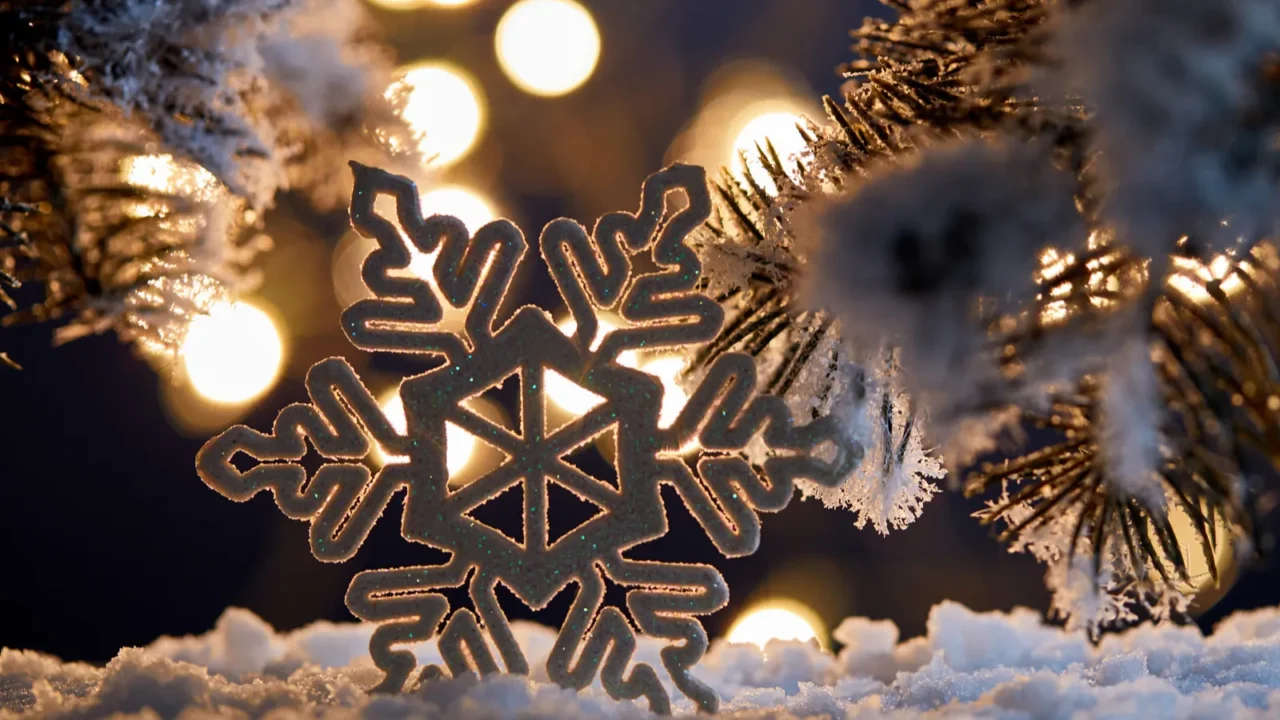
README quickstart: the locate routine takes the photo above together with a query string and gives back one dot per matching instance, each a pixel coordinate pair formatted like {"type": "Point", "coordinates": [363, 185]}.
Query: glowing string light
{"type": "Point", "coordinates": [444, 109]}
{"type": "Point", "coordinates": [459, 444]}
{"type": "Point", "coordinates": [779, 620]}
{"type": "Point", "coordinates": [547, 47]}
{"type": "Point", "coordinates": [776, 127]}
{"type": "Point", "coordinates": [233, 354]}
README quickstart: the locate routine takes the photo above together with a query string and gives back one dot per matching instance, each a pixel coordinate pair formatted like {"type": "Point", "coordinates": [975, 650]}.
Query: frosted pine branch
{"type": "Point", "coordinates": [251, 96]}
{"type": "Point", "coordinates": [1119, 291]}
{"type": "Point", "coordinates": [1185, 104]}
{"type": "Point", "coordinates": [898, 475]}
{"type": "Point", "coordinates": [928, 252]}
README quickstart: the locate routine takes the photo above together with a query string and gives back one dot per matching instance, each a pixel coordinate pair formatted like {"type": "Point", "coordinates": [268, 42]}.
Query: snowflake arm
{"type": "Point", "coordinates": [339, 500]}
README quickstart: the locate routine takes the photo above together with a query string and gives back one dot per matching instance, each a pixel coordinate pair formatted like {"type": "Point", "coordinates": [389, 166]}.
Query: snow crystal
{"type": "Point", "coordinates": [1088, 600]}
{"type": "Point", "coordinates": [991, 665]}
{"type": "Point", "coordinates": [889, 488]}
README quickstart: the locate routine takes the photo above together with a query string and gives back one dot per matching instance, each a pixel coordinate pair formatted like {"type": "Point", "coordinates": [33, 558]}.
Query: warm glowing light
{"type": "Point", "coordinates": [1202, 588]}
{"type": "Point", "coordinates": [472, 208]}
{"type": "Point", "coordinates": [444, 109]}
{"type": "Point", "coordinates": [233, 354]}
{"type": "Point", "coordinates": [776, 127]}
{"type": "Point", "coordinates": [469, 206]}
{"type": "Point", "coordinates": [166, 174]}
{"type": "Point", "coordinates": [743, 103]}
{"type": "Point", "coordinates": [1192, 277]}
{"type": "Point", "coordinates": [465, 204]}
{"type": "Point", "coordinates": [778, 620]}
{"type": "Point", "coordinates": [405, 5]}
{"type": "Point", "coordinates": [1193, 550]}
{"type": "Point", "coordinates": [668, 369]}
{"type": "Point", "coordinates": [567, 394]}
{"type": "Point", "coordinates": [547, 47]}
{"type": "Point", "coordinates": [1053, 263]}
{"type": "Point", "coordinates": [459, 444]}
{"type": "Point", "coordinates": [348, 257]}
{"type": "Point", "coordinates": [578, 400]}
{"type": "Point", "coordinates": [399, 5]}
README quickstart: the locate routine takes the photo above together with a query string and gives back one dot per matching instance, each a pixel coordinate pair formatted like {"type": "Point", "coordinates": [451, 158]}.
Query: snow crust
{"type": "Point", "coordinates": [969, 665]}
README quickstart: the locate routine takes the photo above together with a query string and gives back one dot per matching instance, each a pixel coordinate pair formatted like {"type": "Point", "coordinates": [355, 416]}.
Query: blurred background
{"type": "Point", "coordinates": [533, 110]}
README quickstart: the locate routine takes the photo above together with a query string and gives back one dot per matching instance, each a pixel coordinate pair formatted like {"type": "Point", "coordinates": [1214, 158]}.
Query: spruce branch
{"type": "Point", "coordinates": [1129, 304]}
{"type": "Point", "coordinates": [140, 144]}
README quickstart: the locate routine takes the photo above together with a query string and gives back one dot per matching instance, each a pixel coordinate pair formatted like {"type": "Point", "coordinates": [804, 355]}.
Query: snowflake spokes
{"type": "Point", "coordinates": [659, 309]}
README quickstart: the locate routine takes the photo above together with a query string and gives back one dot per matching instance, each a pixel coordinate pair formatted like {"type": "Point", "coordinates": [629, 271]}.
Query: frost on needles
{"type": "Point", "coordinates": [142, 142]}
{"type": "Point", "coordinates": [1052, 214]}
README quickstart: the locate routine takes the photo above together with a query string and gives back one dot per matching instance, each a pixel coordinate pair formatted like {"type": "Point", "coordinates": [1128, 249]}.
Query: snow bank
{"type": "Point", "coordinates": [985, 665]}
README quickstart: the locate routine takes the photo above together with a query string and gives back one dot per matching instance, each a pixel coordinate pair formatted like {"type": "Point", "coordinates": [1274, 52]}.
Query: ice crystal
{"type": "Point", "coordinates": [660, 309]}
{"type": "Point", "coordinates": [1093, 587]}
{"type": "Point", "coordinates": [895, 479]}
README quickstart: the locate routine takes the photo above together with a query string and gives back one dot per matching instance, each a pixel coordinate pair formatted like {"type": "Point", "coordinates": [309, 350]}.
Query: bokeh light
{"type": "Point", "coordinates": [1204, 591]}
{"type": "Point", "coordinates": [1191, 276]}
{"type": "Point", "coordinates": [776, 620]}
{"type": "Point", "coordinates": [470, 206]}
{"type": "Point", "coordinates": [459, 444]}
{"type": "Point", "coordinates": [407, 5]}
{"type": "Point", "coordinates": [547, 47]}
{"type": "Point", "coordinates": [745, 103]}
{"type": "Point", "coordinates": [400, 5]}
{"type": "Point", "coordinates": [667, 369]}
{"type": "Point", "coordinates": [576, 399]}
{"type": "Point", "coordinates": [569, 395]}
{"type": "Point", "coordinates": [233, 354]}
{"type": "Point", "coordinates": [348, 256]}
{"type": "Point", "coordinates": [444, 108]}
{"type": "Point", "coordinates": [769, 126]}
{"type": "Point", "coordinates": [166, 174]}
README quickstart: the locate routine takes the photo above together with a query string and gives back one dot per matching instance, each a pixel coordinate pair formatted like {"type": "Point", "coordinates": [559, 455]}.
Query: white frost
{"type": "Point", "coordinates": [1129, 425]}
{"type": "Point", "coordinates": [1183, 114]}
{"type": "Point", "coordinates": [889, 488]}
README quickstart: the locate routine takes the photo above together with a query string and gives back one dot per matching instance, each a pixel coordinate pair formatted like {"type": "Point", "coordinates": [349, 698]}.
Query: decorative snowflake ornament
{"type": "Point", "coordinates": [659, 309]}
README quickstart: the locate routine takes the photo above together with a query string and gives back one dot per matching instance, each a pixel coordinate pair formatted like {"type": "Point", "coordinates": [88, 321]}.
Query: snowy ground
{"type": "Point", "coordinates": [991, 665]}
